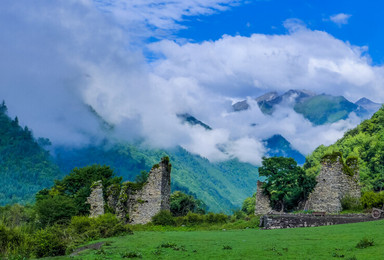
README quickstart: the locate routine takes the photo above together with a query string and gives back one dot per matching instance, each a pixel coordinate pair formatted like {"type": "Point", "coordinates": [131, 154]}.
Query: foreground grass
{"type": "Point", "coordinates": [329, 242]}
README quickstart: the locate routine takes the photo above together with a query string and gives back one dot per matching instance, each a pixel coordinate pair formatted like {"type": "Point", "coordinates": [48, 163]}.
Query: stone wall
{"type": "Point", "coordinates": [96, 200]}
{"type": "Point", "coordinates": [306, 220]}
{"type": "Point", "coordinates": [335, 181]}
{"type": "Point", "coordinates": [139, 206]}
{"type": "Point", "coordinates": [262, 201]}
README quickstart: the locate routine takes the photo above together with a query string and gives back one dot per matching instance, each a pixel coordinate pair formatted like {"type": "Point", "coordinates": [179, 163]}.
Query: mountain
{"type": "Point", "coordinates": [222, 186]}
{"type": "Point", "coordinates": [268, 101]}
{"type": "Point", "coordinates": [368, 105]}
{"type": "Point", "coordinates": [325, 109]}
{"type": "Point", "coordinates": [191, 120]}
{"type": "Point", "coordinates": [279, 146]}
{"type": "Point", "coordinates": [366, 142]}
{"type": "Point", "coordinates": [25, 167]}
{"type": "Point", "coordinates": [318, 109]}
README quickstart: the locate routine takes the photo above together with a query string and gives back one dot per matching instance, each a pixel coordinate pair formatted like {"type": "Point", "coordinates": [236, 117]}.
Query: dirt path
{"type": "Point", "coordinates": [91, 246]}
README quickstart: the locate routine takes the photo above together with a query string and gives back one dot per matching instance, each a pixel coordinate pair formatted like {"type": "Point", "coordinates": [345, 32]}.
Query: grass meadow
{"type": "Point", "coordinates": [329, 242]}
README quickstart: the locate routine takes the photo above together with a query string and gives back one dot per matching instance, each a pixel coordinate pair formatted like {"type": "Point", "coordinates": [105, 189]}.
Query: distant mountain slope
{"type": "Point", "coordinates": [366, 141]}
{"type": "Point", "coordinates": [368, 105]}
{"type": "Point", "coordinates": [189, 119]}
{"type": "Point", "coordinates": [222, 186]}
{"type": "Point", "coordinates": [279, 146]}
{"type": "Point", "coordinates": [318, 109]}
{"type": "Point", "coordinates": [25, 167]}
{"type": "Point", "coordinates": [323, 109]}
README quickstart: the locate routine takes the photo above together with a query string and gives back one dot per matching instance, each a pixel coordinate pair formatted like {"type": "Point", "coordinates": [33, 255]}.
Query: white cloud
{"type": "Point", "coordinates": [160, 15]}
{"type": "Point", "coordinates": [302, 59]}
{"type": "Point", "coordinates": [340, 19]}
{"type": "Point", "coordinates": [58, 57]}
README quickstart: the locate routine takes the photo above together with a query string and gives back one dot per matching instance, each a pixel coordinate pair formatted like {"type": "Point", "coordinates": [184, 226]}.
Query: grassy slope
{"type": "Point", "coordinates": [301, 243]}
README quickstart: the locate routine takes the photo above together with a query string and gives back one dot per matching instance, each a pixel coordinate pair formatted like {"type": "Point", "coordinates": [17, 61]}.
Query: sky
{"type": "Point", "coordinates": [139, 63]}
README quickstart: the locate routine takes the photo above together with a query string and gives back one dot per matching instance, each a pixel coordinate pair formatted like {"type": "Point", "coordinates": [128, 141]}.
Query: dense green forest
{"type": "Point", "coordinates": [366, 142]}
{"type": "Point", "coordinates": [26, 168]}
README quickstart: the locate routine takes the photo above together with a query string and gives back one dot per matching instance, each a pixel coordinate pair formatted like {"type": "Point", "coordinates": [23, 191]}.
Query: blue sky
{"type": "Point", "coordinates": [139, 63]}
{"type": "Point", "coordinates": [363, 28]}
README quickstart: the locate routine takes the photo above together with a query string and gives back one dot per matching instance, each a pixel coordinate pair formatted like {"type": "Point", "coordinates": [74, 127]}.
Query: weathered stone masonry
{"type": "Point", "coordinates": [96, 200]}
{"type": "Point", "coordinates": [135, 204]}
{"type": "Point", "coordinates": [335, 181]}
{"type": "Point", "coordinates": [262, 201]}
{"type": "Point", "coordinates": [307, 220]}
{"type": "Point", "coordinates": [138, 207]}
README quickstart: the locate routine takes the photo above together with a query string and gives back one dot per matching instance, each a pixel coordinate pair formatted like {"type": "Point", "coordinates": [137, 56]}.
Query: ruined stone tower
{"type": "Point", "coordinates": [138, 206]}
{"type": "Point", "coordinates": [336, 180]}
{"type": "Point", "coordinates": [96, 200]}
{"type": "Point", "coordinates": [262, 201]}
{"type": "Point", "coordinates": [135, 203]}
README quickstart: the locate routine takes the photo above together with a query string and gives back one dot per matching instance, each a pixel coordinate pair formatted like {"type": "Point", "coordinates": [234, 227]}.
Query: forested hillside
{"type": "Point", "coordinates": [25, 167]}
{"type": "Point", "coordinates": [222, 186]}
{"type": "Point", "coordinates": [366, 142]}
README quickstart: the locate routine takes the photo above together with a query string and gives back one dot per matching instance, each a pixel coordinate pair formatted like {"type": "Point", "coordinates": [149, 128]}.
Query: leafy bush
{"type": "Point", "coordinates": [163, 218]}
{"type": "Point", "coordinates": [56, 209]}
{"type": "Point", "coordinates": [351, 203]}
{"type": "Point", "coordinates": [50, 242]}
{"type": "Point", "coordinates": [103, 226]}
{"type": "Point", "coordinates": [372, 199]}
{"type": "Point", "coordinates": [194, 218]}
{"type": "Point", "coordinates": [182, 203]}
{"type": "Point", "coordinates": [249, 205]}
{"type": "Point", "coordinates": [215, 218]}
{"type": "Point", "coordinates": [365, 242]}
{"type": "Point", "coordinates": [13, 241]}
{"type": "Point", "coordinates": [131, 254]}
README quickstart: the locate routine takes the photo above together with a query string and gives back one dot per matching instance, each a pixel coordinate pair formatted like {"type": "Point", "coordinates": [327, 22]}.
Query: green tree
{"type": "Point", "coordinates": [77, 185]}
{"type": "Point", "coordinates": [182, 203]}
{"type": "Point", "coordinates": [249, 205]}
{"type": "Point", "coordinates": [55, 209]}
{"type": "Point", "coordinates": [287, 184]}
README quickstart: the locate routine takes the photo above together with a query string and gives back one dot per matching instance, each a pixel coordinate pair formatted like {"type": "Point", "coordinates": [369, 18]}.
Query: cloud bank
{"type": "Point", "coordinates": [59, 59]}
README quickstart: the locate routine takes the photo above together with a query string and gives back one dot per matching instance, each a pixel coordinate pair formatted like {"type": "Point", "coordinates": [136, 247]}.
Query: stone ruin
{"type": "Point", "coordinates": [134, 203]}
{"type": "Point", "coordinates": [96, 200]}
{"type": "Point", "coordinates": [262, 201]}
{"type": "Point", "coordinates": [335, 181]}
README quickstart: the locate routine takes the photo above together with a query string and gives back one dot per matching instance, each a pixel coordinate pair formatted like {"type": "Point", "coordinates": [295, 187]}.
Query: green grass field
{"type": "Point", "coordinates": [330, 242]}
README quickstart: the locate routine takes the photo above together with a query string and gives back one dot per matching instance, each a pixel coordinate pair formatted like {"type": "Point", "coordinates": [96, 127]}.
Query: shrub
{"type": "Point", "coordinates": [182, 203]}
{"type": "Point", "coordinates": [50, 242]}
{"type": "Point", "coordinates": [56, 209]}
{"type": "Point", "coordinates": [103, 226]}
{"type": "Point", "coordinates": [215, 218]}
{"type": "Point", "coordinates": [249, 205]}
{"type": "Point", "coordinates": [13, 240]}
{"type": "Point", "coordinates": [372, 199]}
{"type": "Point", "coordinates": [163, 218]}
{"type": "Point", "coordinates": [80, 224]}
{"type": "Point", "coordinates": [131, 254]}
{"type": "Point", "coordinates": [351, 203]}
{"type": "Point", "coordinates": [365, 242]}
{"type": "Point", "coordinates": [194, 218]}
